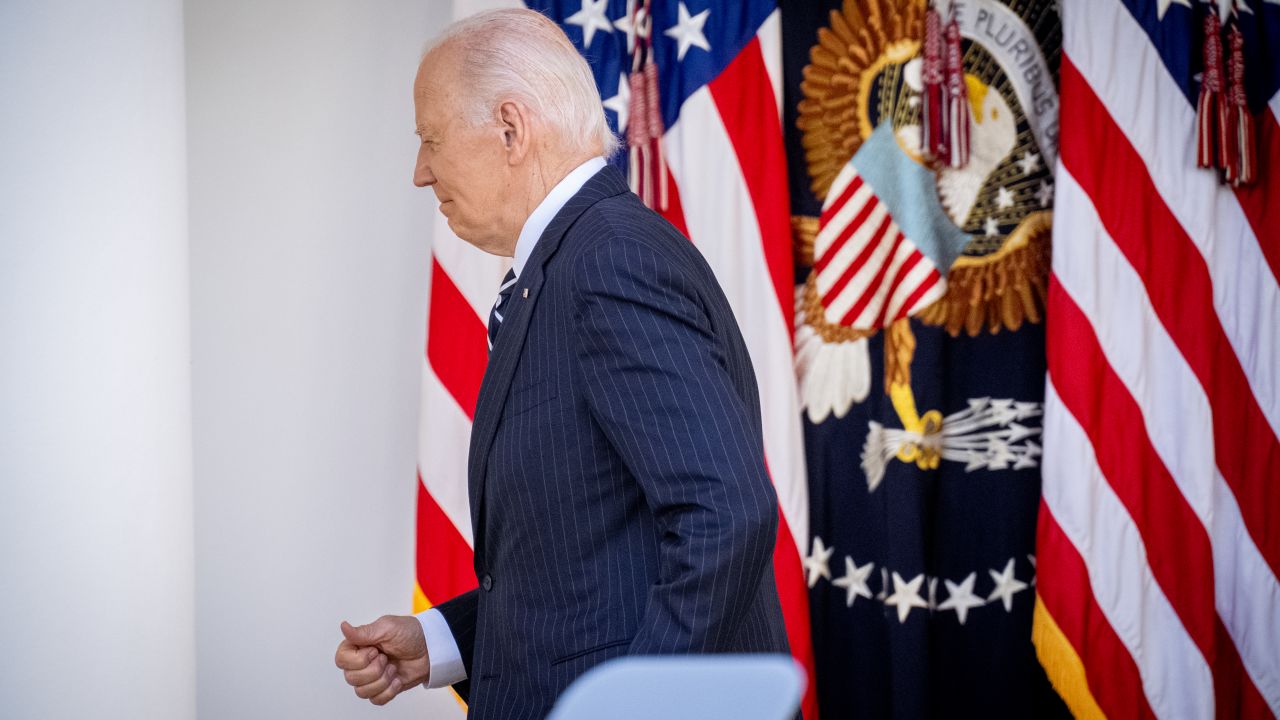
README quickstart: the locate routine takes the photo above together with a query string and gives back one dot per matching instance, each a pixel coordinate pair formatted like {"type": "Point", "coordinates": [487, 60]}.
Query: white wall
{"type": "Point", "coordinates": [309, 249]}
{"type": "Point", "coordinates": [95, 446]}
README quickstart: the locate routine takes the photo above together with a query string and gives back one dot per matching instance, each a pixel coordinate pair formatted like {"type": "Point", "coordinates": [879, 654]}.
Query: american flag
{"type": "Point", "coordinates": [870, 270]}
{"type": "Point", "coordinates": [1159, 531]}
{"type": "Point", "coordinates": [718, 114]}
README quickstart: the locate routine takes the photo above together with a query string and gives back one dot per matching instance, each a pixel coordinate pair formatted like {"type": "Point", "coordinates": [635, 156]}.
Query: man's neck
{"type": "Point", "coordinates": [555, 198]}
{"type": "Point", "coordinates": [546, 175]}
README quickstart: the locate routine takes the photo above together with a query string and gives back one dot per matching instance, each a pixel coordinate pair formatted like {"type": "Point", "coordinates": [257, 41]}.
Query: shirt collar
{"type": "Point", "coordinates": [549, 207]}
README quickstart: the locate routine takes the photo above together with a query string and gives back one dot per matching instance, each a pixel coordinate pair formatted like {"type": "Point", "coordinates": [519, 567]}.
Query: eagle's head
{"type": "Point", "coordinates": [992, 135]}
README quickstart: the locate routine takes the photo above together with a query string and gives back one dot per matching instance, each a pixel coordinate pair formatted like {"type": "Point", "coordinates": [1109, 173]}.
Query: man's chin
{"type": "Point", "coordinates": [453, 227]}
{"type": "Point", "coordinates": [477, 239]}
{"type": "Point", "coordinates": [465, 234]}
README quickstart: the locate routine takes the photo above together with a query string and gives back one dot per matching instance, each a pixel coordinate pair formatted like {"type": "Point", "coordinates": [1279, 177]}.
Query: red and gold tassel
{"type": "Point", "coordinates": [637, 131]}
{"type": "Point", "coordinates": [644, 132]}
{"type": "Point", "coordinates": [933, 135]}
{"type": "Point", "coordinates": [654, 118]}
{"type": "Point", "coordinates": [957, 98]}
{"type": "Point", "coordinates": [1208, 105]}
{"type": "Point", "coordinates": [1243, 151]}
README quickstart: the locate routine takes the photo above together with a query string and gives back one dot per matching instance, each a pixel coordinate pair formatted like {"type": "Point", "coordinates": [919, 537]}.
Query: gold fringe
{"type": "Point", "coordinates": [842, 67]}
{"type": "Point", "coordinates": [804, 228]}
{"type": "Point", "coordinates": [1062, 665]}
{"type": "Point", "coordinates": [816, 317]}
{"type": "Point", "coordinates": [420, 601]}
{"type": "Point", "coordinates": [1001, 290]}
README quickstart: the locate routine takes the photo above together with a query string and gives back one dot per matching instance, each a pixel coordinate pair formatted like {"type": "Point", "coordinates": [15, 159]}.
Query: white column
{"type": "Point", "coordinates": [309, 254]}
{"type": "Point", "coordinates": [96, 548]}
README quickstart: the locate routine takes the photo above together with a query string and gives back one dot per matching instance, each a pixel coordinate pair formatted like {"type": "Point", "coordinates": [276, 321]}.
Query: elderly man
{"type": "Point", "coordinates": [619, 496]}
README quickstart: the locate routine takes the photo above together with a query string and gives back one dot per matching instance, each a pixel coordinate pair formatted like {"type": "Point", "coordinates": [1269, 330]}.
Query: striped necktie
{"type": "Point", "coordinates": [500, 306]}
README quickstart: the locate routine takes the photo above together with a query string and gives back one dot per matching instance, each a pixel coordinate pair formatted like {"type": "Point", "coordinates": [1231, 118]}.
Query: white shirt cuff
{"type": "Point", "coordinates": [442, 650]}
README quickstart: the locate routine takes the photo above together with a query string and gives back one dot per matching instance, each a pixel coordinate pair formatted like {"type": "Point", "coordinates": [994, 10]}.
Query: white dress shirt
{"type": "Point", "coordinates": [442, 648]}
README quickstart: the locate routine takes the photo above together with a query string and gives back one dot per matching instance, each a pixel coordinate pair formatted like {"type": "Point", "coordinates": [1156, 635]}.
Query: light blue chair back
{"type": "Point", "coordinates": [686, 687]}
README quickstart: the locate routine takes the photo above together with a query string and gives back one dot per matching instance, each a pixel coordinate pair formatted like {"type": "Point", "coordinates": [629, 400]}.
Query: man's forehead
{"type": "Point", "coordinates": [429, 111]}
{"type": "Point", "coordinates": [435, 89]}
{"type": "Point", "coordinates": [426, 90]}
{"type": "Point", "coordinates": [437, 66]}
{"type": "Point", "coordinates": [426, 84]}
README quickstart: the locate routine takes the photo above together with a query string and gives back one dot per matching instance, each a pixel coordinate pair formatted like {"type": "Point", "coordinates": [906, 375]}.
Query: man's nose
{"type": "Point", "coordinates": [422, 175]}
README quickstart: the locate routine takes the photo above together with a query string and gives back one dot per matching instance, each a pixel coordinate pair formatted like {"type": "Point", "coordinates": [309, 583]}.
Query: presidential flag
{"type": "Point", "coordinates": [694, 87]}
{"type": "Point", "coordinates": [1159, 536]}
{"type": "Point", "coordinates": [921, 141]}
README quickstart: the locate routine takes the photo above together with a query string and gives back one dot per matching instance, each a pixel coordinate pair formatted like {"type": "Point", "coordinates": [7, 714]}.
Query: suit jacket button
{"type": "Point", "coordinates": [486, 582]}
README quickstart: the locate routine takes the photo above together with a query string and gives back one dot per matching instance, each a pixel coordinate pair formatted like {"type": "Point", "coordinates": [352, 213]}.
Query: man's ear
{"type": "Point", "coordinates": [514, 120]}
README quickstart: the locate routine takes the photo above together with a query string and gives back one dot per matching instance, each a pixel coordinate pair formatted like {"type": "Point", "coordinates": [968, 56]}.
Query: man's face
{"type": "Point", "coordinates": [466, 166]}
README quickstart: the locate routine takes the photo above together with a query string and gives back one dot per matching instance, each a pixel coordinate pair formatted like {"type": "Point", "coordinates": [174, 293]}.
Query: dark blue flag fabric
{"type": "Point", "coordinates": [921, 143]}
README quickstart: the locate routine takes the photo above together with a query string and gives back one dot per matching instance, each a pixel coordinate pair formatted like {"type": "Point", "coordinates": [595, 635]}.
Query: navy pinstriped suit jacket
{"type": "Point", "coordinates": [619, 495]}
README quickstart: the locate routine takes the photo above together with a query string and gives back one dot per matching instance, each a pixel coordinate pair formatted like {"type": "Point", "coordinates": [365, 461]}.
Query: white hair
{"type": "Point", "coordinates": [519, 54]}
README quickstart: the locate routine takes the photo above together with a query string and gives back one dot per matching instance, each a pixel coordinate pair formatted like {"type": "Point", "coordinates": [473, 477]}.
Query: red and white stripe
{"type": "Point", "coordinates": [729, 195]}
{"type": "Point", "coordinates": [727, 161]}
{"type": "Point", "coordinates": [1159, 543]}
{"type": "Point", "coordinates": [464, 282]}
{"type": "Point", "coordinates": [868, 273]}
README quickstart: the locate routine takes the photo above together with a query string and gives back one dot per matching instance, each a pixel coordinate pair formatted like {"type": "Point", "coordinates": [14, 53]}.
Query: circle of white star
{"type": "Point", "coordinates": [1044, 195]}
{"type": "Point", "coordinates": [817, 564]}
{"type": "Point", "coordinates": [1004, 198]}
{"type": "Point", "coordinates": [961, 598]}
{"type": "Point", "coordinates": [1006, 586]}
{"type": "Point", "coordinates": [854, 581]}
{"type": "Point", "coordinates": [906, 595]}
{"type": "Point", "coordinates": [1029, 163]}
{"type": "Point", "coordinates": [991, 228]}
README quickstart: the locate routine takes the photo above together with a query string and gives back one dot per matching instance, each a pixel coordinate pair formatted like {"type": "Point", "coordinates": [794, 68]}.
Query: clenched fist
{"type": "Point", "coordinates": [384, 658]}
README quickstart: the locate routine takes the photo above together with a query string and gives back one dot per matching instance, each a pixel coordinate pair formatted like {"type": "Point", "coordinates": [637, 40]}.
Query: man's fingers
{"type": "Point", "coordinates": [367, 653]}
{"type": "Point", "coordinates": [368, 674]}
{"type": "Point", "coordinates": [371, 690]}
{"type": "Point", "coordinates": [387, 695]}
{"type": "Point", "coordinates": [350, 657]}
{"type": "Point", "coordinates": [353, 657]}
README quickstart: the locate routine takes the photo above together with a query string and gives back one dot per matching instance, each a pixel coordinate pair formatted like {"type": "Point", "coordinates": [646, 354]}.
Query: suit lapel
{"type": "Point", "coordinates": [506, 352]}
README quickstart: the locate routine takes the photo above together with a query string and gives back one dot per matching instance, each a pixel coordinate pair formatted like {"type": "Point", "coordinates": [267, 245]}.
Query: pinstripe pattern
{"type": "Point", "coordinates": [618, 489]}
